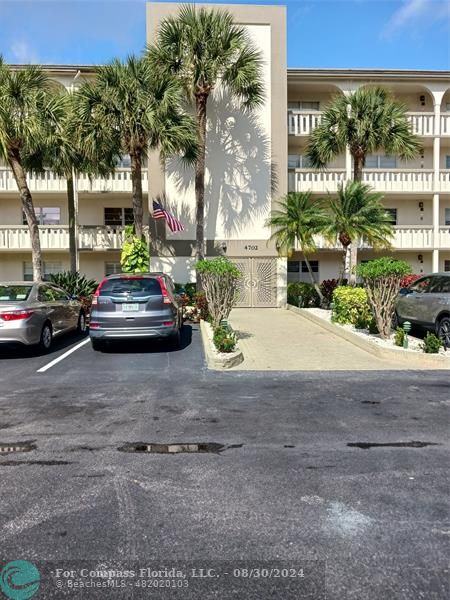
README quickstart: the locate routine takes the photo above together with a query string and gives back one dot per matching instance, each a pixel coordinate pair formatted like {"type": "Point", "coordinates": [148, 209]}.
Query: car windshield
{"type": "Point", "coordinates": [14, 293]}
{"type": "Point", "coordinates": [136, 286]}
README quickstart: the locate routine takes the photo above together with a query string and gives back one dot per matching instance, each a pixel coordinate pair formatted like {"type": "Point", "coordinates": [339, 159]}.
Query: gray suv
{"type": "Point", "coordinates": [426, 303]}
{"type": "Point", "coordinates": [135, 306]}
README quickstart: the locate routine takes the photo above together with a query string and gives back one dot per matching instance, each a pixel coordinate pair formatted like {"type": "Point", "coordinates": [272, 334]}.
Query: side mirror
{"type": "Point", "coordinates": [404, 291]}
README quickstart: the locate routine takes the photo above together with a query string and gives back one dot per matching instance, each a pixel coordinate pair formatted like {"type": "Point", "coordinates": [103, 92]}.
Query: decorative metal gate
{"type": "Point", "coordinates": [258, 285]}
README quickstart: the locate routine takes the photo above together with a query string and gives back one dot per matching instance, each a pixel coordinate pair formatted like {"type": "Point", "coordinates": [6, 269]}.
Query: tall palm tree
{"type": "Point", "coordinates": [204, 47]}
{"type": "Point", "coordinates": [298, 219]}
{"type": "Point", "coordinates": [29, 112]}
{"type": "Point", "coordinates": [367, 121]}
{"type": "Point", "coordinates": [357, 212]}
{"type": "Point", "coordinates": [67, 157]}
{"type": "Point", "coordinates": [133, 109]}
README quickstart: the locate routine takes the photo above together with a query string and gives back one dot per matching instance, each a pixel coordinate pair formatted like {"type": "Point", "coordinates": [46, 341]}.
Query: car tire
{"type": "Point", "coordinates": [97, 345]}
{"type": "Point", "coordinates": [443, 330]}
{"type": "Point", "coordinates": [45, 342]}
{"type": "Point", "coordinates": [81, 325]}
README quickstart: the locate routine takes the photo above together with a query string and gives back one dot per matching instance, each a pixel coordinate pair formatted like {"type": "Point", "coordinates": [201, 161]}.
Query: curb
{"type": "Point", "coordinates": [214, 359]}
{"type": "Point", "coordinates": [409, 359]}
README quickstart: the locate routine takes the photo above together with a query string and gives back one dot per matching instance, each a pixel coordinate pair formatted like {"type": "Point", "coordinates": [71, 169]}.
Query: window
{"type": "Point", "coordinates": [49, 293]}
{"type": "Point", "coordinates": [298, 161]}
{"type": "Point", "coordinates": [392, 212]}
{"type": "Point", "coordinates": [314, 264]}
{"type": "Point", "coordinates": [293, 266]}
{"type": "Point", "coordinates": [12, 293]}
{"type": "Point", "coordinates": [304, 105]}
{"type": "Point", "coordinates": [440, 285]}
{"type": "Point", "coordinates": [447, 161]}
{"type": "Point", "coordinates": [447, 216]}
{"type": "Point", "coordinates": [117, 217]}
{"type": "Point", "coordinates": [124, 162]}
{"type": "Point", "coordinates": [139, 287]}
{"type": "Point", "coordinates": [112, 268]}
{"type": "Point", "coordinates": [446, 266]}
{"type": "Point", "coordinates": [45, 216]}
{"type": "Point", "coordinates": [49, 268]}
{"type": "Point", "coordinates": [421, 285]}
{"type": "Point", "coordinates": [377, 161]}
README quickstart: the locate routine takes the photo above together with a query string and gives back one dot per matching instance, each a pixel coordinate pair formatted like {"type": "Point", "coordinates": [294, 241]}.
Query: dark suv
{"type": "Point", "coordinates": [132, 306]}
{"type": "Point", "coordinates": [426, 303]}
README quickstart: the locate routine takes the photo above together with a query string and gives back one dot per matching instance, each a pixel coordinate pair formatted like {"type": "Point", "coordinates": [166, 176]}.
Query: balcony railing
{"type": "Point", "coordinates": [383, 180]}
{"type": "Point", "coordinates": [120, 181]}
{"type": "Point", "coordinates": [57, 238]}
{"type": "Point", "coordinates": [444, 237]}
{"type": "Point", "coordinates": [303, 122]}
{"type": "Point", "coordinates": [405, 238]}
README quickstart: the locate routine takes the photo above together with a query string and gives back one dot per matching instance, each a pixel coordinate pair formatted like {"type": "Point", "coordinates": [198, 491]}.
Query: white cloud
{"type": "Point", "coordinates": [416, 12]}
{"type": "Point", "coordinates": [21, 52]}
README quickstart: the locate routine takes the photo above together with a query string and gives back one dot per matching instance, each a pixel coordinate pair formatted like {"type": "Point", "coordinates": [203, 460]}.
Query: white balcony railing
{"type": "Point", "coordinates": [303, 122]}
{"type": "Point", "coordinates": [404, 238]}
{"type": "Point", "coordinates": [57, 238]}
{"type": "Point", "coordinates": [120, 181]}
{"type": "Point", "coordinates": [316, 181]}
{"type": "Point", "coordinates": [444, 237]}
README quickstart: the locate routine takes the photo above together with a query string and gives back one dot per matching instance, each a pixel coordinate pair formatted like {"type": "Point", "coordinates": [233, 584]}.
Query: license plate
{"type": "Point", "coordinates": [130, 307]}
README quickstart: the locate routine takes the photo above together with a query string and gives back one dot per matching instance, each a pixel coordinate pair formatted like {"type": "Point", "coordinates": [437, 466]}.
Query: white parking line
{"type": "Point", "coordinates": [62, 357]}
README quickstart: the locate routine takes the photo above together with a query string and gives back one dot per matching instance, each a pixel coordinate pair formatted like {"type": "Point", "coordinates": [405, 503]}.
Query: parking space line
{"type": "Point", "coordinates": [62, 357]}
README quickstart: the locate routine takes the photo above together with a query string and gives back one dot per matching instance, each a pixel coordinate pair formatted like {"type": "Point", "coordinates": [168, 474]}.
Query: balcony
{"type": "Point", "coordinates": [382, 180]}
{"type": "Point", "coordinates": [444, 238]}
{"type": "Point", "coordinates": [405, 238]}
{"type": "Point", "coordinates": [94, 237]}
{"type": "Point", "coordinates": [303, 122]}
{"type": "Point", "coordinates": [120, 181]}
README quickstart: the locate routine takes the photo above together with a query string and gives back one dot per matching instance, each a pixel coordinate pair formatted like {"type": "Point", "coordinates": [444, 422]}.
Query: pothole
{"type": "Point", "coordinates": [141, 447]}
{"type": "Point", "coordinates": [368, 445]}
{"type": "Point", "coordinates": [12, 447]}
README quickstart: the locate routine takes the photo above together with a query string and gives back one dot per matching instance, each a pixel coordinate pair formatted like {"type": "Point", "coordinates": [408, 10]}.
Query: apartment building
{"type": "Point", "coordinates": [252, 160]}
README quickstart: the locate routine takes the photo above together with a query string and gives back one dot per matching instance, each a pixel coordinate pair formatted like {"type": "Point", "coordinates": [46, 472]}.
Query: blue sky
{"type": "Point", "coordinates": [408, 34]}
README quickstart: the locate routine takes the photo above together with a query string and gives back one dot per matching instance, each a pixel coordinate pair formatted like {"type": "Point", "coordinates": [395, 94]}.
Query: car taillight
{"type": "Point", "coordinates": [97, 293]}
{"type": "Point", "coordinates": [94, 325]}
{"type": "Point", "coordinates": [16, 315]}
{"type": "Point", "coordinates": [164, 292]}
{"type": "Point", "coordinates": [168, 323]}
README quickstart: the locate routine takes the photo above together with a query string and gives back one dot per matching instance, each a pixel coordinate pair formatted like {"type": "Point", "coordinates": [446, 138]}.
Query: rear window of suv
{"type": "Point", "coordinates": [137, 286]}
{"type": "Point", "coordinates": [14, 293]}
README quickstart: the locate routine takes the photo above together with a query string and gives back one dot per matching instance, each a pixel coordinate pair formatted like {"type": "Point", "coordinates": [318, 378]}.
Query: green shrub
{"type": "Point", "coordinates": [135, 257]}
{"type": "Point", "coordinates": [350, 305]}
{"type": "Point", "coordinates": [382, 279]}
{"type": "Point", "coordinates": [327, 288]}
{"type": "Point", "coordinates": [373, 327]}
{"type": "Point", "coordinates": [431, 344]}
{"type": "Point", "coordinates": [302, 295]}
{"type": "Point", "coordinates": [189, 289]}
{"type": "Point", "coordinates": [201, 305]}
{"type": "Point", "coordinates": [219, 278]}
{"type": "Point", "coordinates": [399, 336]}
{"type": "Point", "coordinates": [74, 284]}
{"type": "Point", "coordinates": [224, 339]}
{"type": "Point", "coordinates": [362, 321]}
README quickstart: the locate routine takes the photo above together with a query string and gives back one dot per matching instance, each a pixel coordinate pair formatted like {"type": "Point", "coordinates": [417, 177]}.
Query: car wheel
{"type": "Point", "coordinates": [81, 326]}
{"type": "Point", "coordinates": [46, 340]}
{"type": "Point", "coordinates": [443, 331]}
{"type": "Point", "coordinates": [97, 344]}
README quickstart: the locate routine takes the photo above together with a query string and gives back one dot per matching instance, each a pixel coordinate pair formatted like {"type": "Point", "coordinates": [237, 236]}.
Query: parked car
{"type": "Point", "coordinates": [135, 306]}
{"type": "Point", "coordinates": [33, 313]}
{"type": "Point", "coordinates": [426, 303]}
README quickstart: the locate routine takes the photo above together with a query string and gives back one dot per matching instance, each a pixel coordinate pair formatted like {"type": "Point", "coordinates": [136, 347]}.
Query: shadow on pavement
{"type": "Point", "coordinates": [148, 346]}
{"type": "Point", "coordinates": [61, 342]}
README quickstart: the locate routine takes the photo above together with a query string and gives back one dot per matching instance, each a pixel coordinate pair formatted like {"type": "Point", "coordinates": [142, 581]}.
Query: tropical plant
{"type": "Point", "coordinates": [382, 279]}
{"type": "Point", "coordinates": [302, 294]}
{"type": "Point", "coordinates": [327, 288]}
{"type": "Point", "coordinates": [219, 278]}
{"type": "Point", "coordinates": [29, 112]}
{"type": "Point", "coordinates": [135, 256]}
{"type": "Point", "coordinates": [133, 109]}
{"type": "Point", "coordinates": [224, 339]}
{"type": "Point", "coordinates": [357, 212]}
{"type": "Point", "coordinates": [399, 337]}
{"type": "Point", "coordinates": [408, 280]}
{"type": "Point", "coordinates": [365, 122]}
{"type": "Point", "coordinates": [350, 305]}
{"type": "Point", "coordinates": [431, 344]}
{"type": "Point", "coordinates": [74, 284]}
{"type": "Point", "coordinates": [297, 220]}
{"type": "Point", "coordinates": [204, 47]}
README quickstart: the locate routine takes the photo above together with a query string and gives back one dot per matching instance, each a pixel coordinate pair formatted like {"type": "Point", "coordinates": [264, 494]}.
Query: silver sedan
{"type": "Point", "coordinates": [33, 313]}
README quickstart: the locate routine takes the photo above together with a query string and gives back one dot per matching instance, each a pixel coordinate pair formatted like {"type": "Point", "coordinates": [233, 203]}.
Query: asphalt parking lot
{"type": "Point", "coordinates": [285, 489]}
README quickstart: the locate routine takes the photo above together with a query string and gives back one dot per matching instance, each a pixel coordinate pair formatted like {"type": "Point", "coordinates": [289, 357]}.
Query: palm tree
{"type": "Point", "coordinates": [357, 212]}
{"type": "Point", "coordinates": [204, 47]}
{"type": "Point", "coordinates": [29, 112]}
{"type": "Point", "coordinates": [67, 158]}
{"type": "Point", "coordinates": [367, 121]}
{"type": "Point", "coordinates": [298, 219]}
{"type": "Point", "coordinates": [132, 109]}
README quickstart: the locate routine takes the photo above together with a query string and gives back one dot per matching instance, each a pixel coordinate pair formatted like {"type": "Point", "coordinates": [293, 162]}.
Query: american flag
{"type": "Point", "coordinates": [160, 213]}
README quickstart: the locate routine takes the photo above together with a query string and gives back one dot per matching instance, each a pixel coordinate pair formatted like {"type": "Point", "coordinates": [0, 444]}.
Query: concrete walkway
{"type": "Point", "coordinates": [279, 340]}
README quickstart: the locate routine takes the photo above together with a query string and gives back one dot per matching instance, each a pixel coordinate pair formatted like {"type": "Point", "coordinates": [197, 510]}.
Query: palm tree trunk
{"type": "Point", "coordinates": [28, 208]}
{"type": "Point", "coordinates": [357, 168]}
{"type": "Point", "coordinates": [200, 104]}
{"type": "Point", "coordinates": [346, 269]}
{"type": "Point", "coordinates": [313, 280]}
{"type": "Point", "coordinates": [136, 181]}
{"type": "Point", "coordinates": [72, 224]}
